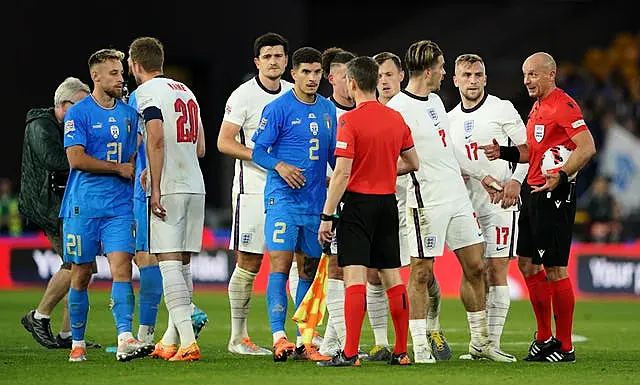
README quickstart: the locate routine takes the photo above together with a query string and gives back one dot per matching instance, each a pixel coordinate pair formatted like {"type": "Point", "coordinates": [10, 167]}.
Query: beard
{"type": "Point", "coordinates": [115, 93]}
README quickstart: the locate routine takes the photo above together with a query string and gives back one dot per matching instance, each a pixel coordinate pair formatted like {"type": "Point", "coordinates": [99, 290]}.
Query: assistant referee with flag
{"type": "Point", "coordinates": [373, 146]}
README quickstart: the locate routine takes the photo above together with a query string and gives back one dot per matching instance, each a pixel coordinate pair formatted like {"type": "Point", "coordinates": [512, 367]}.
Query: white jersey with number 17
{"type": "Point", "coordinates": [180, 110]}
{"type": "Point", "coordinates": [492, 118]}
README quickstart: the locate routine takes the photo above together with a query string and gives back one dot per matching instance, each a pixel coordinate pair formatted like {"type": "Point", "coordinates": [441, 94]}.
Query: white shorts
{"type": "Point", "coordinates": [247, 228]}
{"type": "Point", "coordinates": [430, 228]}
{"type": "Point", "coordinates": [181, 228]}
{"type": "Point", "coordinates": [403, 233]}
{"type": "Point", "coordinates": [500, 231]}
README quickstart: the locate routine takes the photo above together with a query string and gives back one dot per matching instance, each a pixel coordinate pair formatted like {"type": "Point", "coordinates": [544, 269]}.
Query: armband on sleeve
{"type": "Point", "coordinates": [510, 154]}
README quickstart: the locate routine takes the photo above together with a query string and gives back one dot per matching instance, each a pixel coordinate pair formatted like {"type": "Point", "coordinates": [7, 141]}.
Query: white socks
{"type": "Point", "coordinates": [418, 329]}
{"type": "Point", "coordinates": [146, 333]}
{"type": "Point", "coordinates": [293, 279]}
{"type": "Point", "coordinates": [498, 302]}
{"type": "Point", "coordinates": [38, 315]}
{"type": "Point", "coordinates": [378, 312]}
{"type": "Point", "coordinates": [478, 327]}
{"type": "Point", "coordinates": [433, 312]}
{"type": "Point", "coordinates": [336, 328]}
{"type": "Point", "coordinates": [277, 335]}
{"type": "Point", "coordinates": [177, 297]}
{"type": "Point", "coordinates": [240, 289]}
{"type": "Point", "coordinates": [124, 337]}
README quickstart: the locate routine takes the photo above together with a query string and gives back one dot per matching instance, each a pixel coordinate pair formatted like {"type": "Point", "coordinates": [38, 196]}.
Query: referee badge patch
{"type": "Point", "coordinates": [538, 132]}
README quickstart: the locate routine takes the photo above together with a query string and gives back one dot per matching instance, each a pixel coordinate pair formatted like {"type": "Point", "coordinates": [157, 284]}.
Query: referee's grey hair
{"type": "Point", "coordinates": [67, 90]}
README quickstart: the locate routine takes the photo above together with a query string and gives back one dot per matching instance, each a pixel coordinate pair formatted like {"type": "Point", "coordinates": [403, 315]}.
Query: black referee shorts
{"type": "Point", "coordinates": [546, 225]}
{"type": "Point", "coordinates": [367, 233]}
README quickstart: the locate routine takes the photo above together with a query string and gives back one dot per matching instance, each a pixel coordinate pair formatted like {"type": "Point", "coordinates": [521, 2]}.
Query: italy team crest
{"type": "Point", "coordinates": [115, 131]}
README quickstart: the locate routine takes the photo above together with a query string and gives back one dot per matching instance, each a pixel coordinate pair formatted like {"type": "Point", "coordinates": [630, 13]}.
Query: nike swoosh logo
{"type": "Point", "coordinates": [500, 248]}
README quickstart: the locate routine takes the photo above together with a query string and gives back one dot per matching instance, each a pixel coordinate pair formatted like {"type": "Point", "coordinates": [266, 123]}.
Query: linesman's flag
{"type": "Point", "coordinates": [311, 311]}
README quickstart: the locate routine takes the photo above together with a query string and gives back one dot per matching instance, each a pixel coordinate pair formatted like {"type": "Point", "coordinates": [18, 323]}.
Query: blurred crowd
{"type": "Point", "coordinates": [606, 83]}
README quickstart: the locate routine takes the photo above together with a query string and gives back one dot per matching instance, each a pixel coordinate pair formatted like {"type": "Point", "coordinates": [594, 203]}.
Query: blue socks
{"type": "Point", "coordinates": [123, 305]}
{"type": "Point", "coordinates": [277, 300]}
{"type": "Point", "coordinates": [78, 310]}
{"type": "Point", "coordinates": [303, 288]}
{"type": "Point", "coordinates": [150, 294]}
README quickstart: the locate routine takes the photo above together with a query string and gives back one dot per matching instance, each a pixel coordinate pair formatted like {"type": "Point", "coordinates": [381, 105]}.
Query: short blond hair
{"type": "Point", "coordinates": [104, 55]}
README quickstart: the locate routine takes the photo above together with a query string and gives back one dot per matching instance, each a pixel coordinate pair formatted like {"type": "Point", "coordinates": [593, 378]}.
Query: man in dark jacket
{"type": "Point", "coordinates": [44, 174]}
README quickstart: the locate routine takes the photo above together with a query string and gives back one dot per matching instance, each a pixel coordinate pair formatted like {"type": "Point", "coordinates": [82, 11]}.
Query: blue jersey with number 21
{"type": "Point", "coordinates": [108, 134]}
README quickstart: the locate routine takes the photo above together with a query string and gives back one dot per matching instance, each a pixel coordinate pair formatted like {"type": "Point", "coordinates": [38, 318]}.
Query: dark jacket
{"type": "Point", "coordinates": [43, 158]}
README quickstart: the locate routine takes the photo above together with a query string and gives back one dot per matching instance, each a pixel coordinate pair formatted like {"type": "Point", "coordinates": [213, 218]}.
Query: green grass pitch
{"type": "Point", "coordinates": [609, 355]}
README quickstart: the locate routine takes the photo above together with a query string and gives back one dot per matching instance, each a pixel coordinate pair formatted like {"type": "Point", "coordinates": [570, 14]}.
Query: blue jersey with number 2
{"type": "Point", "coordinates": [303, 135]}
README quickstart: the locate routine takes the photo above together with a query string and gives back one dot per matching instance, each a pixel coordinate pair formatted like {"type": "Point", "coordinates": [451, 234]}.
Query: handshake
{"type": "Point", "coordinates": [506, 195]}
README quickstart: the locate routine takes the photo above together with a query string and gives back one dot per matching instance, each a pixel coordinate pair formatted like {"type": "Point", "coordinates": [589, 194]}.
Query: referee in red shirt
{"type": "Point", "coordinates": [548, 206]}
{"type": "Point", "coordinates": [374, 145]}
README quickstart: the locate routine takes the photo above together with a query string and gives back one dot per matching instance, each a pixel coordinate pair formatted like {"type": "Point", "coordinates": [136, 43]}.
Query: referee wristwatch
{"type": "Point", "coordinates": [325, 217]}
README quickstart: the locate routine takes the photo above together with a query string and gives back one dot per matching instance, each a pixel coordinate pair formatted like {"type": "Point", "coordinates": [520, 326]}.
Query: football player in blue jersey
{"type": "Point", "coordinates": [97, 207]}
{"type": "Point", "coordinates": [294, 142]}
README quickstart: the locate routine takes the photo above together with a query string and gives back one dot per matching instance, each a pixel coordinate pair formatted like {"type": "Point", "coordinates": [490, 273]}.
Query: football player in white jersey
{"type": "Point", "coordinates": [174, 140]}
{"type": "Point", "coordinates": [241, 119]}
{"type": "Point", "coordinates": [335, 72]}
{"type": "Point", "coordinates": [438, 207]}
{"type": "Point", "coordinates": [390, 80]}
{"type": "Point", "coordinates": [479, 118]}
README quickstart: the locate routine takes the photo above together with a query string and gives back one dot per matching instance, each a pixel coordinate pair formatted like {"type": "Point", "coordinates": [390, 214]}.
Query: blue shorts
{"type": "Point", "coordinates": [84, 238]}
{"type": "Point", "coordinates": [287, 232]}
{"type": "Point", "coordinates": [142, 224]}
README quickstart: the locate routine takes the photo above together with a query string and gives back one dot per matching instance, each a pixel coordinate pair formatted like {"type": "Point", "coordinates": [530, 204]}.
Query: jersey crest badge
{"type": "Point", "coordinates": [538, 132]}
{"type": "Point", "coordinates": [115, 131]}
{"type": "Point", "coordinates": [468, 126]}
{"type": "Point", "coordinates": [433, 115]}
{"type": "Point", "coordinates": [313, 126]}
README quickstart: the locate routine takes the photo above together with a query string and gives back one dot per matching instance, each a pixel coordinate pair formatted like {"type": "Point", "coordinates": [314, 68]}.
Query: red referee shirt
{"type": "Point", "coordinates": [553, 121]}
{"type": "Point", "coordinates": [373, 136]}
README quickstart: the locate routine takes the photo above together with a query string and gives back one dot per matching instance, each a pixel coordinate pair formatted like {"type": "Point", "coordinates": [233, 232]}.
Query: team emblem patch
{"type": "Point", "coordinates": [432, 114]}
{"type": "Point", "coordinates": [538, 132]}
{"type": "Point", "coordinates": [115, 131]}
{"type": "Point", "coordinates": [245, 238]}
{"type": "Point", "coordinates": [430, 241]}
{"type": "Point", "coordinates": [313, 126]}
{"type": "Point", "coordinates": [468, 126]}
